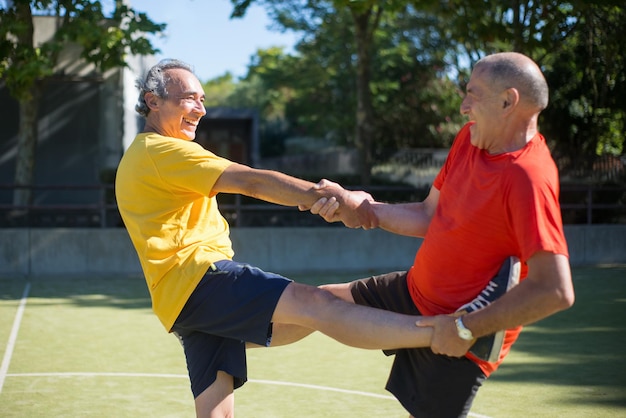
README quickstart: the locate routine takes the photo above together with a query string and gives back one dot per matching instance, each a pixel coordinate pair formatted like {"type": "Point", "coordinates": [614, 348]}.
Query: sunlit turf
{"type": "Point", "coordinates": [91, 347]}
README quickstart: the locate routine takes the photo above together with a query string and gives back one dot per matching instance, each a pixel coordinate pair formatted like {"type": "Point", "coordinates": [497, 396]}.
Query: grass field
{"type": "Point", "coordinates": [91, 347]}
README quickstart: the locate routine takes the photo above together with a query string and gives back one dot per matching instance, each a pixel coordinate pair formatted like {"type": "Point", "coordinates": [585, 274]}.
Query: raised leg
{"type": "Point", "coordinates": [350, 324]}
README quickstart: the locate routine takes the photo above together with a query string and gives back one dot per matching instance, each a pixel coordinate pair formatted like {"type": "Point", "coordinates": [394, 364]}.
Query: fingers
{"type": "Point", "coordinates": [367, 215]}
{"type": "Point", "coordinates": [327, 208]}
{"type": "Point", "coordinates": [425, 321]}
{"type": "Point", "coordinates": [357, 211]}
{"type": "Point", "coordinates": [445, 339]}
{"type": "Point", "coordinates": [350, 207]}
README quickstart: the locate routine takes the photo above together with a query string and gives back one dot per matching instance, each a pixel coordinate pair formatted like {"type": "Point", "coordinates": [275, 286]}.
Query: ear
{"type": "Point", "coordinates": [152, 101]}
{"type": "Point", "coordinates": [510, 99]}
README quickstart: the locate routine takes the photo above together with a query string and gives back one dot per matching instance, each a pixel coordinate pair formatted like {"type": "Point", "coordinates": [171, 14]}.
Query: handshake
{"type": "Point", "coordinates": [356, 209]}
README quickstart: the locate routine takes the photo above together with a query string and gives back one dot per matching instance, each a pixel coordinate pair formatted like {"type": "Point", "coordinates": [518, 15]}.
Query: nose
{"type": "Point", "coordinates": [200, 107]}
{"type": "Point", "coordinates": [465, 107]}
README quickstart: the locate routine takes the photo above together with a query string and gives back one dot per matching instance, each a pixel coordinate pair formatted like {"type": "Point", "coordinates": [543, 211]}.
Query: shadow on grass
{"type": "Point", "coordinates": [123, 292]}
{"type": "Point", "coordinates": [583, 346]}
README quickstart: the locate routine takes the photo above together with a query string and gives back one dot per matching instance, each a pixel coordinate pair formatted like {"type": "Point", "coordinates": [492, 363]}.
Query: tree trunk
{"type": "Point", "coordinates": [364, 112]}
{"type": "Point", "coordinates": [26, 145]}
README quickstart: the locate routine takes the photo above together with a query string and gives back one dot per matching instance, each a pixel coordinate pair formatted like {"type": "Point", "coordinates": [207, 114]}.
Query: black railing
{"type": "Point", "coordinates": [64, 206]}
{"type": "Point", "coordinates": [593, 204]}
{"type": "Point", "coordinates": [60, 206]}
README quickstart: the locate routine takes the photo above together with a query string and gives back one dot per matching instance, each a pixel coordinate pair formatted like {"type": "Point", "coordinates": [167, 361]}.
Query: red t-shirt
{"type": "Point", "coordinates": [490, 207]}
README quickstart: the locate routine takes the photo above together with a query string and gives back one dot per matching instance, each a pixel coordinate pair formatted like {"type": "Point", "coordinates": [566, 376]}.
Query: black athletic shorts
{"type": "Point", "coordinates": [425, 383]}
{"type": "Point", "coordinates": [233, 304]}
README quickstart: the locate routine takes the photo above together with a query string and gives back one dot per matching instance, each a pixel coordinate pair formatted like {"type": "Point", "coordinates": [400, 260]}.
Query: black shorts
{"type": "Point", "coordinates": [425, 383]}
{"type": "Point", "coordinates": [233, 304]}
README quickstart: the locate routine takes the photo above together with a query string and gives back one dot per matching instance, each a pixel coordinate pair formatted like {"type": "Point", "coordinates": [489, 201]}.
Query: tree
{"type": "Point", "coordinates": [579, 45]}
{"type": "Point", "coordinates": [587, 116]}
{"type": "Point", "coordinates": [319, 20]}
{"type": "Point", "coordinates": [417, 48]}
{"type": "Point", "coordinates": [415, 101]}
{"type": "Point", "coordinates": [365, 16]}
{"type": "Point", "coordinates": [25, 66]}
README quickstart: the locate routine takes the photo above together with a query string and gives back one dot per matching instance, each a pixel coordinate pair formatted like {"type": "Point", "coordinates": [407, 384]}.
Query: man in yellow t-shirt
{"type": "Point", "coordinates": [165, 187]}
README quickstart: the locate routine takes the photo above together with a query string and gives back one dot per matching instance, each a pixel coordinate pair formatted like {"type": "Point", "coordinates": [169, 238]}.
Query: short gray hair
{"type": "Point", "coordinates": [510, 69]}
{"type": "Point", "coordinates": [155, 82]}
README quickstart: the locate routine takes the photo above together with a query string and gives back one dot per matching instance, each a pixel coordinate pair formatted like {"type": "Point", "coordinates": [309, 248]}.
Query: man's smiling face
{"type": "Point", "coordinates": [483, 104]}
{"type": "Point", "coordinates": [179, 113]}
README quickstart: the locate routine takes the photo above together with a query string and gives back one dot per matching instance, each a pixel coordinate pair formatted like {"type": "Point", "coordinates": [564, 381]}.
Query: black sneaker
{"type": "Point", "coordinates": [488, 347]}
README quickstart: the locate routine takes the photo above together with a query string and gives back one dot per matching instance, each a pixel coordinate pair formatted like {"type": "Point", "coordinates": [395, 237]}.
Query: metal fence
{"type": "Point", "coordinates": [64, 206]}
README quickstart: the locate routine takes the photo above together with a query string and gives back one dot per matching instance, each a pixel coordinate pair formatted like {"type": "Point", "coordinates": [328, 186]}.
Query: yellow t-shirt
{"type": "Point", "coordinates": [164, 194]}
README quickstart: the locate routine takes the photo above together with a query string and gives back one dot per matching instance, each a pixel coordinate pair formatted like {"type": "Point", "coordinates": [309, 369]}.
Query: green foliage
{"type": "Point", "coordinates": [587, 76]}
{"type": "Point", "coordinates": [218, 90]}
{"type": "Point", "coordinates": [319, 84]}
{"type": "Point", "coordinates": [105, 40]}
{"type": "Point", "coordinates": [421, 55]}
{"type": "Point", "coordinates": [410, 78]}
{"type": "Point", "coordinates": [579, 46]}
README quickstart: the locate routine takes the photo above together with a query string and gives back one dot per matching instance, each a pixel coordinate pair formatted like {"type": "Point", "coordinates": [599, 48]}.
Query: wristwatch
{"type": "Point", "coordinates": [463, 332]}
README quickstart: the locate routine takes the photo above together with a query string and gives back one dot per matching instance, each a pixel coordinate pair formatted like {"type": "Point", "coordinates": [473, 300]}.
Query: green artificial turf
{"type": "Point", "coordinates": [91, 347]}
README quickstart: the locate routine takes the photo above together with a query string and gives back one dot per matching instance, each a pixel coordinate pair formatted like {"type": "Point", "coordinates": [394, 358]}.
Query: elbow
{"type": "Point", "coordinates": [564, 298]}
{"type": "Point", "coordinates": [567, 299]}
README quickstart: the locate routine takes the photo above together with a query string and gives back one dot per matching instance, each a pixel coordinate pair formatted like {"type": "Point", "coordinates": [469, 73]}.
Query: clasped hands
{"type": "Point", "coordinates": [353, 208]}
{"type": "Point", "coordinates": [356, 210]}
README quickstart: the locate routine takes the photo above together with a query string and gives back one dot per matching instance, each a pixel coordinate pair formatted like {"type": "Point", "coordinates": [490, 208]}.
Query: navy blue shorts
{"type": "Point", "coordinates": [233, 304]}
{"type": "Point", "coordinates": [425, 383]}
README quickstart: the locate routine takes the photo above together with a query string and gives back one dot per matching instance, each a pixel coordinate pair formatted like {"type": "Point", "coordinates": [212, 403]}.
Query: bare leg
{"type": "Point", "coordinates": [218, 400]}
{"type": "Point", "coordinates": [283, 334]}
{"type": "Point", "coordinates": [350, 324]}
{"type": "Point", "coordinates": [341, 290]}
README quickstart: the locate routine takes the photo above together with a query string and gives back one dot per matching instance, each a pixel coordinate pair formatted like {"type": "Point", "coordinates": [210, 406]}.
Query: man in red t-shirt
{"type": "Point", "coordinates": [495, 200]}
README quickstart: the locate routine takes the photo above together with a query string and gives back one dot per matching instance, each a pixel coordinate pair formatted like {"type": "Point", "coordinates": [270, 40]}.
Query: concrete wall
{"type": "Point", "coordinates": [36, 252]}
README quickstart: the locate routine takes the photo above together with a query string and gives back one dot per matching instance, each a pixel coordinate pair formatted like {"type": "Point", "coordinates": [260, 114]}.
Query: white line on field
{"type": "Point", "coordinates": [183, 376]}
{"type": "Point", "coordinates": [8, 352]}
{"type": "Point", "coordinates": [307, 386]}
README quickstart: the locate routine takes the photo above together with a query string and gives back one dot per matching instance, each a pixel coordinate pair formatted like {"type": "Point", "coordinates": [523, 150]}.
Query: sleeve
{"type": "Point", "coordinates": [534, 210]}
{"type": "Point", "coordinates": [189, 168]}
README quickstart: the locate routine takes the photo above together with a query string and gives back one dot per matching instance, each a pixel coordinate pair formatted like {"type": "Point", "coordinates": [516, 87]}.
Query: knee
{"type": "Point", "coordinates": [309, 300]}
{"type": "Point", "coordinates": [306, 294]}
{"type": "Point", "coordinates": [342, 291]}
{"type": "Point", "coordinates": [305, 305]}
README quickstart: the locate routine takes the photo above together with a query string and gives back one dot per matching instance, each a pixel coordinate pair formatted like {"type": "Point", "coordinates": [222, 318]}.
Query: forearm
{"type": "Point", "coordinates": [408, 219]}
{"type": "Point", "coordinates": [279, 188]}
{"type": "Point", "coordinates": [544, 292]}
{"type": "Point", "coordinates": [268, 185]}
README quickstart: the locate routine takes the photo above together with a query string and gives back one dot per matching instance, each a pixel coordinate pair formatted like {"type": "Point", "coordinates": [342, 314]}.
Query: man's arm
{"type": "Point", "coordinates": [411, 219]}
{"type": "Point", "coordinates": [547, 289]}
{"type": "Point", "coordinates": [279, 188]}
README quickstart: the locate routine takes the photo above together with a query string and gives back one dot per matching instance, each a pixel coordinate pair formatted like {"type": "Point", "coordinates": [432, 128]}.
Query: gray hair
{"type": "Point", "coordinates": [510, 69]}
{"type": "Point", "coordinates": [155, 82]}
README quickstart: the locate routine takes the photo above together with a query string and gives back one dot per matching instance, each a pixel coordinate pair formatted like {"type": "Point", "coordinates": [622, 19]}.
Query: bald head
{"type": "Point", "coordinates": [514, 70]}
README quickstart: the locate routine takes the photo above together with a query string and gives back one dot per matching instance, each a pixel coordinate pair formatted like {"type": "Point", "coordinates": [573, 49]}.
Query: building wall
{"type": "Point", "coordinates": [86, 118]}
{"type": "Point", "coordinates": [68, 148]}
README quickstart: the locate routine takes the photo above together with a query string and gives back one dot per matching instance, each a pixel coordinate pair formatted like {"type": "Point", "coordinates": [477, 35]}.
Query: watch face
{"type": "Point", "coordinates": [463, 332]}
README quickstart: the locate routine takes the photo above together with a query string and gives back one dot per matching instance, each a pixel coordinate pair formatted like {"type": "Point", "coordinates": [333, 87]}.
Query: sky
{"type": "Point", "coordinates": [201, 33]}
